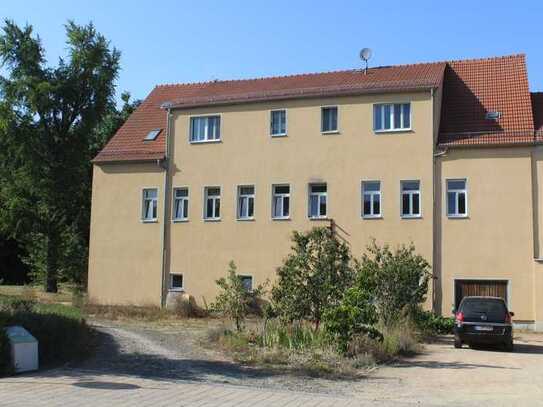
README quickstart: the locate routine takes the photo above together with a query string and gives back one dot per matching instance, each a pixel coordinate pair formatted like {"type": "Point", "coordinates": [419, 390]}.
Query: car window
{"type": "Point", "coordinates": [492, 309]}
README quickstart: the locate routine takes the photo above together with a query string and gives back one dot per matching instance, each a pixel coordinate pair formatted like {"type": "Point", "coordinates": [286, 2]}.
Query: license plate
{"type": "Point", "coordinates": [483, 328]}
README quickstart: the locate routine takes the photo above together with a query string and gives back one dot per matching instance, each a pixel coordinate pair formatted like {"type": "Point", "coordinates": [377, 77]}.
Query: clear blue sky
{"type": "Point", "coordinates": [167, 41]}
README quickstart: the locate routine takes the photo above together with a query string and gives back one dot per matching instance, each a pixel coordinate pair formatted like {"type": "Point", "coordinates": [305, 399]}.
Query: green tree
{"type": "Point", "coordinates": [313, 277]}
{"type": "Point", "coordinates": [395, 281]}
{"type": "Point", "coordinates": [234, 300]}
{"type": "Point", "coordinates": [48, 135]}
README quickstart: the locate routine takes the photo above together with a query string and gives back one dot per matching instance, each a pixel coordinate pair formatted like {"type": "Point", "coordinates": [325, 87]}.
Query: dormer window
{"type": "Point", "coordinates": [152, 135]}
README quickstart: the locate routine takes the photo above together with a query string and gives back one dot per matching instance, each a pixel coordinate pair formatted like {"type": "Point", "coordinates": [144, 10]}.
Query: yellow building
{"type": "Point", "coordinates": [445, 155]}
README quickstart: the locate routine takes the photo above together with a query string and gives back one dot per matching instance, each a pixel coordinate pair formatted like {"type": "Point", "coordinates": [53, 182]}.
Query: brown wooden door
{"type": "Point", "coordinates": [484, 288]}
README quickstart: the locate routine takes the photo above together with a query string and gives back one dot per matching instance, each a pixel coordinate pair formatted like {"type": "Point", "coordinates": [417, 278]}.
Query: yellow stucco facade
{"type": "Point", "coordinates": [499, 238]}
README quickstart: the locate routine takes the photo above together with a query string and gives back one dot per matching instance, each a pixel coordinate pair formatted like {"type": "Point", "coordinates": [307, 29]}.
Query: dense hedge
{"type": "Point", "coordinates": [430, 323]}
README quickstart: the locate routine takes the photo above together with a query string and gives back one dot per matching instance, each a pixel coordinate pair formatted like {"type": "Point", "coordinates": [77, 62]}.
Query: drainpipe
{"type": "Point", "coordinates": [164, 232]}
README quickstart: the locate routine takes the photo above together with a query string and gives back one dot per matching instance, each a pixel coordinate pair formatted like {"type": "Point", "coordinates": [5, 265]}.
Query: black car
{"type": "Point", "coordinates": [483, 320]}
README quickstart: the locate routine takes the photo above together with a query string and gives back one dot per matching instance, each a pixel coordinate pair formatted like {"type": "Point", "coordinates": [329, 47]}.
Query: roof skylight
{"type": "Point", "coordinates": [152, 135]}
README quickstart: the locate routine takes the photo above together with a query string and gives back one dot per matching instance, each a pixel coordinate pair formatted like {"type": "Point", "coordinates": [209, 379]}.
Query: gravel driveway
{"type": "Point", "coordinates": [161, 365]}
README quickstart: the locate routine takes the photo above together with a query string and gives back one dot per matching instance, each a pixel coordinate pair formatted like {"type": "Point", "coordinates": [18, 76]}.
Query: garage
{"type": "Point", "coordinates": [487, 288]}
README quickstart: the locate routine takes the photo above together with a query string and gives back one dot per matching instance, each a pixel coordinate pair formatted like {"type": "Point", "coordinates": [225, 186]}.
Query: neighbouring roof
{"type": "Point", "coordinates": [471, 88]}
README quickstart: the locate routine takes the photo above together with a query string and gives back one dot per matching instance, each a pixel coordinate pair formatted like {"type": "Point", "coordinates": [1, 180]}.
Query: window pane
{"type": "Point", "coordinates": [247, 282]}
{"type": "Point", "coordinates": [416, 204]}
{"type": "Point", "coordinates": [277, 206]}
{"type": "Point", "coordinates": [251, 208]}
{"type": "Point", "coordinates": [181, 192]}
{"type": "Point", "coordinates": [387, 116]}
{"type": "Point", "coordinates": [150, 193]}
{"type": "Point", "coordinates": [405, 204]}
{"type": "Point", "coordinates": [178, 209]}
{"type": "Point", "coordinates": [376, 204]}
{"type": "Point", "coordinates": [282, 189]}
{"type": "Point", "coordinates": [456, 184]}
{"type": "Point", "coordinates": [185, 208]}
{"type": "Point", "coordinates": [242, 207]}
{"type": "Point", "coordinates": [217, 208]}
{"type": "Point", "coordinates": [370, 186]}
{"type": "Point", "coordinates": [213, 191]}
{"type": "Point", "coordinates": [329, 118]}
{"type": "Point", "coordinates": [406, 115]}
{"type": "Point", "coordinates": [367, 205]}
{"type": "Point", "coordinates": [410, 185]}
{"type": "Point", "coordinates": [322, 208]}
{"type": "Point", "coordinates": [461, 203]}
{"type": "Point", "coordinates": [247, 190]}
{"type": "Point", "coordinates": [286, 206]}
{"type": "Point", "coordinates": [209, 208]}
{"type": "Point", "coordinates": [318, 188]}
{"type": "Point", "coordinates": [377, 122]}
{"type": "Point", "coordinates": [397, 116]}
{"type": "Point", "coordinates": [176, 280]}
{"type": "Point", "coordinates": [314, 205]}
{"type": "Point", "coordinates": [451, 203]}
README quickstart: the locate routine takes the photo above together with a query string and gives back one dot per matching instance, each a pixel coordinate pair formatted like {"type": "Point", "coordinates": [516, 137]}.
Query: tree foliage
{"type": "Point", "coordinates": [396, 281]}
{"type": "Point", "coordinates": [234, 300]}
{"type": "Point", "coordinates": [53, 120]}
{"type": "Point", "coordinates": [313, 277]}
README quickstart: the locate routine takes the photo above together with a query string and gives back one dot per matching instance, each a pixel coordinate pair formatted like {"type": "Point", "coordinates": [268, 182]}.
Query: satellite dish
{"type": "Point", "coordinates": [365, 55]}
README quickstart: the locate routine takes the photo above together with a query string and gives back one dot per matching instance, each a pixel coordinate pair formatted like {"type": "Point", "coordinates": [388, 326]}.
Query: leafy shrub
{"type": "Point", "coordinates": [234, 300]}
{"type": "Point", "coordinates": [432, 324]}
{"type": "Point", "coordinates": [313, 277]}
{"type": "Point", "coordinates": [20, 305]}
{"type": "Point", "coordinates": [5, 353]}
{"type": "Point", "coordinates": [396, 281]}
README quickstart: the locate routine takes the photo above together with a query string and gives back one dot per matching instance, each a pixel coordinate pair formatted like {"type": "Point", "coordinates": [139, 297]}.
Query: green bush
{"type": "Point", "coordinates": [5, 353]}
{"type": "Point", "coordinates": [293, 336]}
{"type": "Point", "coordinates": [429, 323]}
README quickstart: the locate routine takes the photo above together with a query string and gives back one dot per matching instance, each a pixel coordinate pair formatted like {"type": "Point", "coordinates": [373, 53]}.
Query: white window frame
{"type": "Point", "coordinates": [319, 196]}
{"type": "Point", "coordinates": [214, 198]}
{"type": "Point", "coordinates": [143, 200]}
{"type": "Point", "coordinates": [456, 192]}
{"type": "Point", "coordinates": [185, 217]}
{"type": "Point", "coordinates": [281, 195]}
{"type": "Point", "coordinates": [410, 193]}
{"type": "Point", "coordinates": [207, 139]}
{"type": "Point", "coordinates": [170, 285]}
{"type": "Point", "coordinates": [392, 129]}
{"type": "Point", "coordinates": [284, 134]}
{"type": "Point", "coordinates": [371, 194]}
{"type": "Point", "coordinates": [239, 196]}
{"type": "Point", "coordinates": [322, 120]}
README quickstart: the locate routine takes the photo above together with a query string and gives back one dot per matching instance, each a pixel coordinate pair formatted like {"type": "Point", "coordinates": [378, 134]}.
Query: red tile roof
{"type": "Point", "coordinates": [471, 88]}
{"type": "Point", "coordinates": [474, 87]}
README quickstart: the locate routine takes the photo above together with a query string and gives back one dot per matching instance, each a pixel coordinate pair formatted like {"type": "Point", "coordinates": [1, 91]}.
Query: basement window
{"type": "Point", "coordinates": [152, 135]}
{"type": "Point", "coordinates": [176, 282]}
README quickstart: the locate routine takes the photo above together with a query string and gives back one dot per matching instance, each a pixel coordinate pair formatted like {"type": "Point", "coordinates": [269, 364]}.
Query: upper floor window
{"type": "Point", "coordinates": [278, 122]}
{"type": "Point", "coordinates": [212, 209]}
{"type": "Point", "coordinates": [150, 205]}
{"type": "Point", "coordinates": [246, 202]}
{"type": "Point", "coordinates": [410, 200]}
{"type": "Point", "coordinates": [392, 116]}
{"type": "Point", "coordinates": [280, 201]}
{"type": "Point", "coordinates": [317, 200]}
{"type": "Point", "coordinates": [329, 119]}
{"type": "Point", "coordinates": [205, 128]}
{"type": "Point", "coordinates": [180, 204]}
{"type": "Point", "coordinates": [457, 205]}
{"type": "Point", "coordinates": [371, 199]}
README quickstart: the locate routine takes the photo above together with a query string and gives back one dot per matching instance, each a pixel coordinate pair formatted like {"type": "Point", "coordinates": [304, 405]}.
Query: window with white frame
{"type": "Point", "coordinates": [410, 199]}
{"type": "Point", "coordinates": [176, 282]}
{"type": "Point", "coordinates": [205, 128]}
{"type": "Point", "coordinates": [180, 204]}
{"type": "Point", "coordinates": [317, 200]}
{"type": "Point", "coordinates": [371, 199]}
{"type": "Point", "coordinates": [329, 119]}
{"type": "Point", "coordinates": [150, 205]}
{"type": "Point", "coordinates": [457, 202]}
{"type": "Point", "coordinates": [247, 282]}
{"type": "Point", "coordinates": [212, 209]}
{"type": "Point", "coordinates": [246, 202]}
{"type": "Point", "coordinates": [392, 116]}
{"type": "Point", "coordinates": [280, 201]}
{"type": "Point", "coordinates": [278, 122]}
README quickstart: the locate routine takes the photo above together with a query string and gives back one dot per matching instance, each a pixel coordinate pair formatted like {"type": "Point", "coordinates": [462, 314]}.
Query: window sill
{"type": "Point", "coordinates": [205, 141]}
{"type": "Point", "coordinates": [281, 218]}
{"type": "Point", "coordinates": [212, 219]}
{"type": "Point", "coordinates": [278, 135]}
{"type": "Point", "coordinates": [319, 218]}
{"type": "Point", "coordinates": [393, 131]}
{"type": "Point", "coordinates": [176, 290]}
{"type": "Point", "coordinates": [180, 220]}
{"type": "Point", "coordinates": [245, 219]}
{"type": "Point", "coordinates": [149, 220]}
{"type": "Point", "coordinates": [330, 132]}
{"type": "Point", "coordinates": [407, 217]}
{"type": "Point", "coordinates": [371, 217]}
{"type": "Point", "coordinates": [458, 216]}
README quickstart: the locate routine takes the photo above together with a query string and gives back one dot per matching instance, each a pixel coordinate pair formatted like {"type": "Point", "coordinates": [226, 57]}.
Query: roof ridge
{"type": "Point", "coordinates": [495, 58]}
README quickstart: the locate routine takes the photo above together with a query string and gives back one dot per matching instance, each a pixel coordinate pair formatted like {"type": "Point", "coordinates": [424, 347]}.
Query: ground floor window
{"type": "Point", "coordinates": [247, 282]}
{"type": "Point", "coordinates": [176, 282]}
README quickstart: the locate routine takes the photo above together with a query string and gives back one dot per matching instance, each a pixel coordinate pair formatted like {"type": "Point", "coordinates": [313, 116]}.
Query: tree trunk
{"type": "Point", "coordinates": [51, 285]}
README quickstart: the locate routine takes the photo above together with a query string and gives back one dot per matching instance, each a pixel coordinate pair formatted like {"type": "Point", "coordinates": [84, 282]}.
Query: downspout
{"type": "Point", "coordinates": [163, 237]}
